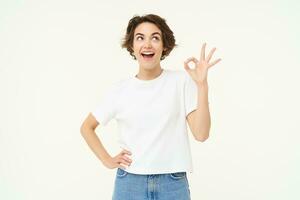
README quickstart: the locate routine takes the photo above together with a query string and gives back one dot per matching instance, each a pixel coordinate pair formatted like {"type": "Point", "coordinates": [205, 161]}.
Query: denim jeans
{"type": "Point", "coordinates": [169, 186]}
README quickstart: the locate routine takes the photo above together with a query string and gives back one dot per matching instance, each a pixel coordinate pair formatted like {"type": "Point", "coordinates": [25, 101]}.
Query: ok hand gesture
{"type": "Point", "coordinates": [199, 73]}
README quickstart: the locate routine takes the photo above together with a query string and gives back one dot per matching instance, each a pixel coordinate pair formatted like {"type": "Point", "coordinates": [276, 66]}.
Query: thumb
{"type": "Point", "coordinates": [186, 66]}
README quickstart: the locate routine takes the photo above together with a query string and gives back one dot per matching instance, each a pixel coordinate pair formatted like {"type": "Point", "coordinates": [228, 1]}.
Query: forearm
{"type": "Point", "coordinates": [202, 115]}
{"type": "Point", "coordinates": [94, 143]}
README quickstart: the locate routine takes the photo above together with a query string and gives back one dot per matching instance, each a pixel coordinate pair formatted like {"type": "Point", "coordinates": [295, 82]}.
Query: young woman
{"type": "Point", "coordinates": [152, 110]}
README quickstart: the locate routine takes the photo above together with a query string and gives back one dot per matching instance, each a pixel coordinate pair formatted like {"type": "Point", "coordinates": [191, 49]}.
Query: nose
{"type": "Point", "coordinates": [148, 43]}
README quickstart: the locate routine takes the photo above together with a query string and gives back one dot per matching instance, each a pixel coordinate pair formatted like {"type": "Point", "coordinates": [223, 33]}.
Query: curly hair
{"type": "Point", "coordinates": [167, 33]}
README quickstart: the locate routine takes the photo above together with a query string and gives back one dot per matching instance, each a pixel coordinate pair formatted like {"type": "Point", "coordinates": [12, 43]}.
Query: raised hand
{"type": "Point", "coordinates": [199, 73]}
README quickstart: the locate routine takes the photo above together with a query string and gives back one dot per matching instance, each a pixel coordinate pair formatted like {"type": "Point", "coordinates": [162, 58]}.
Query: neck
{"type": "Point", "coordinates": [148, 74]}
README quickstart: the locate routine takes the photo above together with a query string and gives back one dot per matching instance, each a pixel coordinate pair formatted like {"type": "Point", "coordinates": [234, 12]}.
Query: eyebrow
{"type": "Point", "coordinates": [151, 34]}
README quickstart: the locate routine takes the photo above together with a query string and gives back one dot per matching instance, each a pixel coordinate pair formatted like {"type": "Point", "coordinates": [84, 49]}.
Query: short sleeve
{"type": "Point", "coordinates": [190, 94]}
{"type": "Point", "coordinates": [106, 108]}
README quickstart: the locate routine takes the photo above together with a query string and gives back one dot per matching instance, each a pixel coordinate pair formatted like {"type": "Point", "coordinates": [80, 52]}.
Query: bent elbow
{"type": "Point", "coordinates": [84, 129]}
{"type": "Point", "coordinates": [81, 129]}
{"type": "Point", "coordinates": [201, 139]}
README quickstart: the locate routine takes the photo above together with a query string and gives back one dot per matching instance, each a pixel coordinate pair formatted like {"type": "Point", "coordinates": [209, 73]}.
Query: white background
{"type": "Point", "coordinates": [57, 58]}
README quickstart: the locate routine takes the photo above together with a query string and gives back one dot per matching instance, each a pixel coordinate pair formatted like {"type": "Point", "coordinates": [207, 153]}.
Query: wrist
{"type": "Point", "coordinates": [203, 85]}
{"type": "Point", "coordinates": [105, 158]}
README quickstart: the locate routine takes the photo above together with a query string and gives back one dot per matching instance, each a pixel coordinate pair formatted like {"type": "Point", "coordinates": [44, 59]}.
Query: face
{"type": "Point", "coordinates": [148, 45]}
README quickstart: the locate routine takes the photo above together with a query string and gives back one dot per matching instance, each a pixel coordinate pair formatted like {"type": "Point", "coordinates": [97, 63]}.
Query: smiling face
{"type": "Point", "coordinates": [148, 45]}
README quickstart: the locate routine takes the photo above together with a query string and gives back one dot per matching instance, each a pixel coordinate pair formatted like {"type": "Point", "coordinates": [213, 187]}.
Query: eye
{"type": "Point", "coordinates": [157, 38]}
{"type": "Point", "coordinates": [139, 37]}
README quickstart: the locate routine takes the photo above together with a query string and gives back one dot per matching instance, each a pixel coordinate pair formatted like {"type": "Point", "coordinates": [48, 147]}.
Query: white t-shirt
{"type": "Point", "coordinates": [151, 117]}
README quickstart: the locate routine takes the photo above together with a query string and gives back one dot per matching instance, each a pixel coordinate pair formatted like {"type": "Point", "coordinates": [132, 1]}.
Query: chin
{"type": "Point", "coordinates": [147, 67]}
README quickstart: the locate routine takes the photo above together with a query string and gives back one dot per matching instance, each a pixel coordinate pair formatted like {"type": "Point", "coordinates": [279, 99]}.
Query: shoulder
{"type": "Point", "coordinates": [118, 87]}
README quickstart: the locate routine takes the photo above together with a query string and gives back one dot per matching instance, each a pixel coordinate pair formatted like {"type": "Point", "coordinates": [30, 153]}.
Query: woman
{"type": "Point", "coordinates": [152, 110]}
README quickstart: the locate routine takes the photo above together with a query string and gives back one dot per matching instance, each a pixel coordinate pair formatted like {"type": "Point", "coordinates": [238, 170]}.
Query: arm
{"type": "Point", "coordinates": [87, 131]}
{"type": "Point", "coordinates": [199, 120]}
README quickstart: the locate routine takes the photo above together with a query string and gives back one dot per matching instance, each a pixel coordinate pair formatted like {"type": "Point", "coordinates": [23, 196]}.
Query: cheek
{"type": "Point", "coordinates": [135, 50]}
{"type": "Point", "coordinates": [136, 47]}
{"type": "Point", "coordinates": [158, 46]}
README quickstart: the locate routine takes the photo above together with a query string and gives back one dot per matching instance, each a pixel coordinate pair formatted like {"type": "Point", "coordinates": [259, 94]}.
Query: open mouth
{"type": "Point", "coordinates": [147, 55]}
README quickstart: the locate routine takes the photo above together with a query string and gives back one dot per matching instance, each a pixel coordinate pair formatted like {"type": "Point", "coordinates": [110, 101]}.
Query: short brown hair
{"type": "Point", "coordinates": [167, 34]}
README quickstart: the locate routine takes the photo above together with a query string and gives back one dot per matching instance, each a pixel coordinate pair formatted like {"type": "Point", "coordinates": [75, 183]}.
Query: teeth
{"type": "Point", "coordinates": [147, 53]}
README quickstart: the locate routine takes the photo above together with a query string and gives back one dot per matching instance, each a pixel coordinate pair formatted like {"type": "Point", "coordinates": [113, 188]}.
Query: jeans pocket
{"type": "Point", "coordinates": [177, 175]}
{"type": "Point", "coordinates": [121, 173]}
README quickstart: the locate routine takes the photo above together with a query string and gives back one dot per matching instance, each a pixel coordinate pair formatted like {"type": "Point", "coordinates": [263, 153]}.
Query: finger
{"type": "Point", "coordinates": [126, 158]}
{"type": "Point", "coordinates": [191, 59]}
{"type": "Point", "coordinates": [124, 161]}
{"type": "Point", "coordinates": [123, 157]}
{"type": "Point", "coordinates": [122, 167]}
{"type": "Point", "coordinates": [126, 152]}
{"type": "Point", "coordinates": [186, 66]}
{"type": "Point", "coordinates": [210, 54]}
{"type": "Point", "coordinates": [202, 57]}
{"type": "Point", "coordinates": [215, 62]}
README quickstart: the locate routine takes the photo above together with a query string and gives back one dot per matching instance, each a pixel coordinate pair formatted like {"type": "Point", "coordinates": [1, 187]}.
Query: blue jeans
{"type": "Point", "coordinates": [170, 186]}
